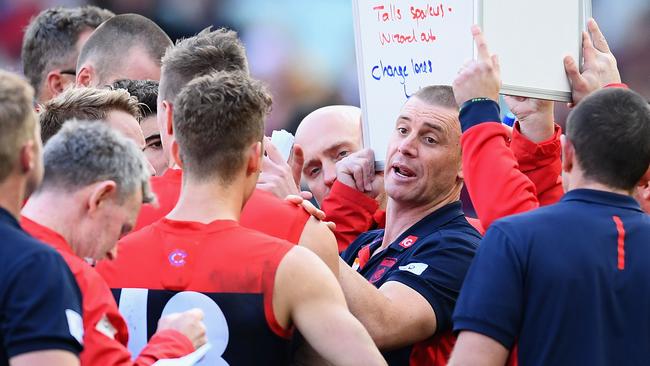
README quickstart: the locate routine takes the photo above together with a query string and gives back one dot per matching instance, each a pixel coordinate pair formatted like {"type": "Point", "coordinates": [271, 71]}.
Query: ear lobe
{"type": "Point", "coordinates": [176, 154]}
{"type": "Point", "coordinates": [254, 158]}
{"type": "Point", "coordinates": [100, 193]}
{"type": "Point", "coordinates": [85, 75]}
{"type": "Point", "coordinates": [567, 153]}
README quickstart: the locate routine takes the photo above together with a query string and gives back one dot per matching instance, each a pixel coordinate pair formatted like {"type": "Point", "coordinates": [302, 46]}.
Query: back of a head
{"type": "Point", "coordinates": [84, 104]}
{"type": "Point", "coordinates": [107, 46]}
{"type": "Point", "coordinates": [437, 95]}
{"type": "Point", "coordinates": [17, 119]}
{"type": "Point", "coordinates": [208, 51]}
{"type": "Point", "coordinates": [86, 152]}
{"type": "Point", "coordinates": [145, 91]}
{"type": "Point", "coordinates": [51, 38]}
{"type": "Point", "coordinates": [216, 118]}
{"type": "Point", "coordinates": [610, 131]}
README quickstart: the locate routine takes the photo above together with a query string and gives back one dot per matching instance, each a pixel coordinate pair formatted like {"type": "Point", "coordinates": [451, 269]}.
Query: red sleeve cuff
{"type": "Point", "coordinates": [350, 194]}
{"type": "Point", "coordinates": [183, 343]}
{"type": "Point", "coordinates": [531, 155]}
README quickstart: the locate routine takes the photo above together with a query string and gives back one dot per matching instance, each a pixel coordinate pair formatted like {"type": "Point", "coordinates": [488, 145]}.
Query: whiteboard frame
{"type": "Point", "coordinates": [532, 92]}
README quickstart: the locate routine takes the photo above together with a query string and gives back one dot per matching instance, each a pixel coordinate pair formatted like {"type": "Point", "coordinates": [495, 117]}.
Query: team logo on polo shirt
{"type": "Point", "coordinates": [384, 266]}
{"type": "Point", "coordinates": [408, 241]}
{"type": "Point", "coordinates": [177, 257]}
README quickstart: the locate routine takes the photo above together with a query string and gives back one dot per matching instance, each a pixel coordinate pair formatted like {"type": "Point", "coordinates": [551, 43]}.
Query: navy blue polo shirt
{"type": "Point", "coordinates": [569, 283]}
{"type": "Point", "coordinates": [431, 257]}
{"type": "Point", "coordinates": [39, 298]}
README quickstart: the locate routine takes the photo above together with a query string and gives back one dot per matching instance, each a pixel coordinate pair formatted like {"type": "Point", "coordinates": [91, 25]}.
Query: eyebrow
{"type": "Point", "coordinates": [152, 137]}
{"type": "Point", "coordinates": [430, 125]}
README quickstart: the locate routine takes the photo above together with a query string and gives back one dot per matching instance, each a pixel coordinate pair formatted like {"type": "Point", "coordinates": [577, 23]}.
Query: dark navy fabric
{"type": "Point", "coordinates": [561, 283]}
{"type": "Point", "coordinates": [476, 112]}
{"type": "Point", "coordinates": [431, 257]}
{"type": "Point", "coordinates": [36, 289]}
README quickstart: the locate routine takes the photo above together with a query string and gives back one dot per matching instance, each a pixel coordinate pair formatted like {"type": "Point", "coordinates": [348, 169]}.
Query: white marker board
{"type": "Point", "coordinates": [531, 38]}
{"type": "Point", "coordinates": [402, 46]}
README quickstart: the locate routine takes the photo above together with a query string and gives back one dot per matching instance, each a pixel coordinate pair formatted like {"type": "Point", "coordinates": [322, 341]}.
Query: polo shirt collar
{"type": "Point", "coordinates": [7, 217]}
{"type": "Point", "coordinates": [603, 198]}
{"type": "Point", "coordinates": [429, 224]}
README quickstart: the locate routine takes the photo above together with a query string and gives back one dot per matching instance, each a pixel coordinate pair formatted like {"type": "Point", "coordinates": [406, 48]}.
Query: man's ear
{"type": "Point", "coordinates": [176, 154]}
{"type": "Point", "coordinates": [55, 83]}
{"type": "Point", "coordinates": [643, 187]}
{"type": "Point", "coordinates": [297, 161]}
{"type": "Point", "coordinates": [568, 154]}
{"type": "Point", "coordinates": [100, 193]}
{"type": "Point", "coordinates": [254, 164]}
{"type": "Point", "coordinates": [85, 75]}
{"type": "Point", "coordinates": [27, 158]}
{"type": "Point", "coordinates": [168, 114]}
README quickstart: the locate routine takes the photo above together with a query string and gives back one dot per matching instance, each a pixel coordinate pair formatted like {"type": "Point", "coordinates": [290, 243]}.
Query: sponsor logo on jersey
{"type": "Point", "coordinates": [75, 325]}
{"type": "Point", "coordinates": [177, 257]}
{"type": "Point", "coordinates": [415, 268]}
{"type": "Point", "coordinates": [408, 241]}
{"type": "Point", "coordinates": [355, 265]}
{"type": "Point", "coordinates": [105, 327]}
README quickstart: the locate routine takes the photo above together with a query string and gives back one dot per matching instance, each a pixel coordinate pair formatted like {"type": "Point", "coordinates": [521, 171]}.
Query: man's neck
{"type": "Point", "coordinates": [208, 201]}
{"type": "Point", "coordinates": [402, 215]}
{"type": "Point", "coordinates": [12, 196]}
{"type": "Point", "coordinates": [579, 181]}
{"type": "Point", "coordinates": [44, 209]}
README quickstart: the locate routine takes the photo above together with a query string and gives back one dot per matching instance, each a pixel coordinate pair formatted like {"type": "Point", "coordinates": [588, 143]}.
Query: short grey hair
{"type": "Point", "coordinates": [86, 152]}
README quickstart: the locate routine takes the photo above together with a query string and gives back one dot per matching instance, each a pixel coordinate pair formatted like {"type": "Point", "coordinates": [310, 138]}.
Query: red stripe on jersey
{"type": "Point", "coordinates": [621, 242]}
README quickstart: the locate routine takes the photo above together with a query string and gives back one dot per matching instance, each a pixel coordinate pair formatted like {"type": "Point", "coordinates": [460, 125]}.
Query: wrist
{"type": "Point", "coordinates": [478, 110]}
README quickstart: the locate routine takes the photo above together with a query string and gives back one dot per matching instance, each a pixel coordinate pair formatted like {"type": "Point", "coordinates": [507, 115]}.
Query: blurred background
{"type": "Point", "coordinates": [304, 49]}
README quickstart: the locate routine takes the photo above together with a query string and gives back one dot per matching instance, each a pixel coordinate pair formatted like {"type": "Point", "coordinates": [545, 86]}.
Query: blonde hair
{"type": "Point", "coordinates": [84, 104]}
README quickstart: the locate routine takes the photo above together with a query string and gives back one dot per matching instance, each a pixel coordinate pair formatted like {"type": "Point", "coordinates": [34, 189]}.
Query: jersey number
{"type": "Point", "coordinates": [133, 306]}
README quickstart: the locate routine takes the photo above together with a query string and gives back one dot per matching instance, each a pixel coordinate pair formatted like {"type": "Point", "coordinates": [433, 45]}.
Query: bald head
{"type": "Point", "coordinates": [326, 136]}
{"type": "Point", "coordinates": [127, 46]}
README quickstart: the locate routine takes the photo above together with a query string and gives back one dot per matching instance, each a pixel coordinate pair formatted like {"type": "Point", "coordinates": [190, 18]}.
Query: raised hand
{"type": "Point", "coordinates": [535, 117]}
{"type": "Point", "coordinates": [357, 170]}
{"type": "Point", "coordinates": [277, 176]}
{"type": "Point", "coordinates": [190, 323]}
{"type": "Point", "coordinates": [599, 68]}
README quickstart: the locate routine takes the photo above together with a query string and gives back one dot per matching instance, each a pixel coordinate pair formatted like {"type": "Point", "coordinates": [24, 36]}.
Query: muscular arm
{"type": "Point", "coordinates": [318, 238]}
{"type": "Point", "coordinates": [50, 358]}
{"type": "Point", "coordinates": [475, 349]}
{"type": "Point", "coordinates": [408, 313]}
{"type": "Point", "coordinates": [307, 294]}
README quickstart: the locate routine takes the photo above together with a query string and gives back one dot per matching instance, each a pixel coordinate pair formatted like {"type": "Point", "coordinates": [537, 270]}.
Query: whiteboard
{"type": "Point", "coordinates": [531, 38]}
{"type": "Point", "coordinates": [402, 46]}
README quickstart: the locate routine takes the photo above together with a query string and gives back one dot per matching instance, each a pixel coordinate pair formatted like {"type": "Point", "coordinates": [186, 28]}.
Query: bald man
{"type": "Point", "coordinates": [326, 136]}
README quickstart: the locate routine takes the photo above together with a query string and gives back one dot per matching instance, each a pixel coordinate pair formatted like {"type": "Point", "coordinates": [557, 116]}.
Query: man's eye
{"type": "Point", "coordinates": [402, 130]}
{"type": "Point", "coordinates": [430, 140]}
{"type": "Point", "coordinates": [343, 154]}
{"type": "Point", "coordinates": [154, 144]}
{"type": "Point", "coordinates": [314, 172]}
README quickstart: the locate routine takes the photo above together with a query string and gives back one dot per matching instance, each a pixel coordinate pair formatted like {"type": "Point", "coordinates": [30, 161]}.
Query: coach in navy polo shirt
{"type": "Point", "coordinates": [569, 283]}
{"type": "Point", "coordinates": [402, 282]}
{"type": "Point", "coordinates": [40, 312]}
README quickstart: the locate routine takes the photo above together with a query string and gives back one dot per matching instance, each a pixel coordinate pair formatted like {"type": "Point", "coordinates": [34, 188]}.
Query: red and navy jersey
{"type": "Point", "coordinates": [223, 268]}
{"type": "Point", "coordinates": [262, 211]}
{"type": "Point", "coordinates": [105, 331]}
{"type": "Point", "coordinates": [431, 257]}
{"type": "Point", "coordinates": [568, 282]}
{"type": "Point", "coordinates": [40, 302]}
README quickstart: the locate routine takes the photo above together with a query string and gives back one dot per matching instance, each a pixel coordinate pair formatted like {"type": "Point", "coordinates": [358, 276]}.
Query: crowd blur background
{"type": "Point", "coordinates": [304, 49]}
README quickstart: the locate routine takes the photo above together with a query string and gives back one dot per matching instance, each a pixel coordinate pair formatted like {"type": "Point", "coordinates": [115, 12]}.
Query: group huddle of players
{"type": "Point", "coordinates": [144, 216]}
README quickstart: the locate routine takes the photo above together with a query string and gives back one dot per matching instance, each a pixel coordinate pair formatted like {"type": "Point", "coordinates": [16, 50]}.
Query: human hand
{"type": "Point", "coordinates": [357, 170]}
{"type": "Point", "coordinates": [480, 78]}
{"type": "Point", "coordinates": [311, 209]}
{"type": "Point", "coordinates": [535, 117]}
{"type": "Point", "coordinates": [599, 68]}
{"type": "Point", "coordinates": [277, 176]}
{"type": "Point", "coordinates": [190, 323]}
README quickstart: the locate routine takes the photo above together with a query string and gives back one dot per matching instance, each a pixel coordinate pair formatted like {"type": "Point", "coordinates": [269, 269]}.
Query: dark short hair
{"type": "Point", "coordinates": [610, 131]}
{"type": "Point", "coordinates": [217, 116]}
{"type": "Point", "coordinates": [84, 104]}
{"type": "Point", "coordinates": [145, 91]}
{"type": "Point", "coordinates": [437, 95]}
{"type": "Point", "coordinates": [109, 43]}
{"type": "Point", "coordinates": [208, 51]}
{"type": "Point", "coordinates": [51, 37]}
{"type": "Point", "coordinates": [17, 119]}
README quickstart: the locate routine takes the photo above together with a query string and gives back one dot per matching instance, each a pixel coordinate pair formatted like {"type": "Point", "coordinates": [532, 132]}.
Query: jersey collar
{"type": "Point", "coordinates": [7, 217]}
{"type": "Point", "coordinates": [603, 198]}
{"type": "Point", "coordinates": [46, 235]}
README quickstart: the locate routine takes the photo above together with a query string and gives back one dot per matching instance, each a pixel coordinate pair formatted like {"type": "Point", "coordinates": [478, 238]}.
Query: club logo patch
{"type": "Point", "coordinates": [408, 241]}
{"type": "Point", "coordinates": [384, 266]}
{"type": "Point", "coordinates": [177, 257]}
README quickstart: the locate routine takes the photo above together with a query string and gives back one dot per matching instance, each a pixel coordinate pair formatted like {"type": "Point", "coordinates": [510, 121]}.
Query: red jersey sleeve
{"type": "Point", "coordinates": [266, 213]}
{"type": "Point", "coordinates": [353, 213]}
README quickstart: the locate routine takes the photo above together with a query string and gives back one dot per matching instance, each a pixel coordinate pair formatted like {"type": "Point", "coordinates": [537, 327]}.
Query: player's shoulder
{"type": "Point", "coordinates": [250, 237]}
{"type": "Point", "coordinates": [25, 251]}
{"type": "Point", "coordinates": [458, 232]}
{"type": "Point", "coordinates": [266, 201]}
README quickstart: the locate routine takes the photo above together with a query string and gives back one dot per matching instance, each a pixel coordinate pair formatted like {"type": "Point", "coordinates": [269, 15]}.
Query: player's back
{"type": "Point", "coordinates": [226, 270]}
